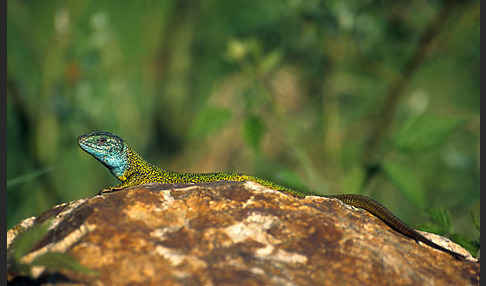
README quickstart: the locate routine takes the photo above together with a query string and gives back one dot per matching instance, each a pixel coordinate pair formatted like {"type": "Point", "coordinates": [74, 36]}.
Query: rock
{"type": "Point", "coordinates": [235, 234]}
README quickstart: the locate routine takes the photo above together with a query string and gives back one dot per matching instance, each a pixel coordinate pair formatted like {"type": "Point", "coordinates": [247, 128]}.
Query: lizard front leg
{"type": "Point", "coordinates": [126, 182]}
{"type": "Point", "coordinates": [111, 189]}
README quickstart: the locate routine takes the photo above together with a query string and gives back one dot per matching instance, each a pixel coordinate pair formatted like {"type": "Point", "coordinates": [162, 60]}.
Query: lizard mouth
{"type": "Point", "coordinates": [89, 147]}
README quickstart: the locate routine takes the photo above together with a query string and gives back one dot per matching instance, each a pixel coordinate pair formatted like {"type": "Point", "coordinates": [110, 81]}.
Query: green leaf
{"type": "Point", "coordinates": [440, 221]}
{"type": "Point", "coordinates": [425, 132]}
{"type": "Point", "coordinates": [406, 181]}
{"type": "Point", "coordinates": [55, 261]}
{"type": "Point", "coordinates": [442, 217]}
{"type": "Point", "coordinates": [470, 245]}
{"type": "Point", "coordinates": [253, 131]}
{"type": "Point", "coordinates": [209, 120]}
{"type": "Point", "coordinates": [27, 177]}
{"type": "Point", "coordinates": [26, 240]}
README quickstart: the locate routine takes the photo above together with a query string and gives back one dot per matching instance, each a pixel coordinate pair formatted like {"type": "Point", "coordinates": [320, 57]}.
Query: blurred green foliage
{"type": "Point", "coordinates": [289, 90]}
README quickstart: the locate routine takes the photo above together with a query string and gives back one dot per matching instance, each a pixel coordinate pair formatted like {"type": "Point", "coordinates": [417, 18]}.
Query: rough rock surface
{"type": "Point", "coordinates": [237, 234]}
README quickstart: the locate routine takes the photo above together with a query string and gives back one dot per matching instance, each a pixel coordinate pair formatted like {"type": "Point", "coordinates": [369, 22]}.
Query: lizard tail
{"type": "Point", "coordinates": [390, 219]}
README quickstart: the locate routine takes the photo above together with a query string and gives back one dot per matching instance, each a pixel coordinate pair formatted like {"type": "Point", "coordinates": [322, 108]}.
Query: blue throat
{"type": "Point", "coordinates": [117, 162]}
{"type": "Point", "coordinates": [119, 167]}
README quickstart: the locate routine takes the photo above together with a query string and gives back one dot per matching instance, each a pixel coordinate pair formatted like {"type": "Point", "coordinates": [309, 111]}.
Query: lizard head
{"type": "Point", "coordinates": [107, 148]}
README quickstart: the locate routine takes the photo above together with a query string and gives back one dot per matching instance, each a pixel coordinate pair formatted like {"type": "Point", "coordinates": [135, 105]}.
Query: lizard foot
{"type": "Point", "coordinates": [109, 190]}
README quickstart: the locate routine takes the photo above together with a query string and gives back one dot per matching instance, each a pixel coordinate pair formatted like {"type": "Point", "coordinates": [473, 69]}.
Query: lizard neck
{"type": "Point", "coordinates": [136, 166]}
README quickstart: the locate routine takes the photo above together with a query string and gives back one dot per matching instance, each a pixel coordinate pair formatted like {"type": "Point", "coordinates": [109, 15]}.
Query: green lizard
{"type": "Point", "coordinates": [131, 169]}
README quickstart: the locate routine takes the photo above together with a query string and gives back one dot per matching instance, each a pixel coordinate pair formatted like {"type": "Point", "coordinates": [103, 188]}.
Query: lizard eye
{"type": "Point", "coordinates": [102, 140]}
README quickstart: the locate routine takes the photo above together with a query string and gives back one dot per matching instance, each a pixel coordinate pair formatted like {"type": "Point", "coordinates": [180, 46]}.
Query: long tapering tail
{"type": "Point", "coordinates": [389, 218]}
